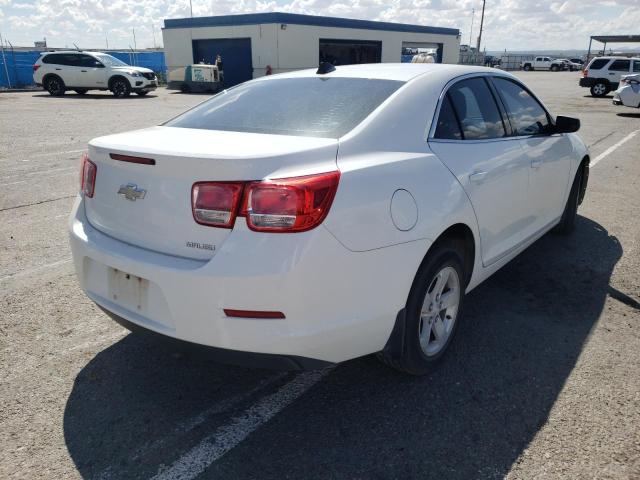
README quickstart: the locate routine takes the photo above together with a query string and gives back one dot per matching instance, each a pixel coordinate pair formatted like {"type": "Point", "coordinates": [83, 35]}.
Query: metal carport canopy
{"type": "Point", "coordinates": [616, 38]}
{"type": "Point", "coordinates": [612, 39]}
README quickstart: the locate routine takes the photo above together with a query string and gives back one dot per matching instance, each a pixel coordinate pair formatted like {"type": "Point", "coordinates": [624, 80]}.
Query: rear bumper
{"type": "Point", "coordinates": [587, 82]}
{"type": "Point", "coordinates": [231, 357]}
{"type": "Point", "coordinates": [338, 304]}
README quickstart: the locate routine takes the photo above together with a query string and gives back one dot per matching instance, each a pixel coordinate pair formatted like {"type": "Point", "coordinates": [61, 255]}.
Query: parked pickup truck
{"type": "Point", "coordinates": [543, 63]}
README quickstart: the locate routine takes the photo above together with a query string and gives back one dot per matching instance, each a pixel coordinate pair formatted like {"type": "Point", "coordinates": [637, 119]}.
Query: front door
{"type": "Point", "coordinates": [470, 137]}
{"type": "Point", "coordinates": [92, 73]}
{"type": "Point", "coordinates": [548, 154]}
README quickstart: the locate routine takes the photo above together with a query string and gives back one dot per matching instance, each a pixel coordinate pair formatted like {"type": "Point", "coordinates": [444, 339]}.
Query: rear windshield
{"type": "Point", "coordinates": [307, 107]}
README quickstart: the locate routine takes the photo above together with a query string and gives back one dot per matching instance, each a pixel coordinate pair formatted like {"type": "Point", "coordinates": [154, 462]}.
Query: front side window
{"type": "Point", "coordinates": [476, 110]}
{"type": "Point", "coordinates": [89, 62]}
{"type": "Point", "coordinates": [620, 65]}
{"type": "Point", "coordinates": [525, 112]}
{"type": "Point", "coordinates": [636, 65]}
{"type": "Point", "coordinates": [307, 107]}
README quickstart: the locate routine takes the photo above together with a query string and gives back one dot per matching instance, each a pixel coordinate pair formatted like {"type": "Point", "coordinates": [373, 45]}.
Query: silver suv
{"type": "Point", "coordinates": [58, 72]}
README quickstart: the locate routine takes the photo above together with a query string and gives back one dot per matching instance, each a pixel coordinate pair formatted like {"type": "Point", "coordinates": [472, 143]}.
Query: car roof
{"type": "Point", "coordinates": [67, 52]}
{"type": "Point", "coordinates": [617, 57]}
{"type": "Point", "coordinates": [388, 71]}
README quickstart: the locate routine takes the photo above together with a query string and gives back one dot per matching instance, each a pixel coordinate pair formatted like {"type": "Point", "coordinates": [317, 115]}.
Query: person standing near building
{"type": "Point", "coordinates": [220, 68]}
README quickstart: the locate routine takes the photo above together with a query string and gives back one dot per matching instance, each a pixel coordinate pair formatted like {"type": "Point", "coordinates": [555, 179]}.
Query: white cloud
{"type": "Point", "coordinates": [511, 24]}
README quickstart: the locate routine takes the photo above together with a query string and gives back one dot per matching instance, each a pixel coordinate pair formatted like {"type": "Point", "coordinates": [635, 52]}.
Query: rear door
{"type": "Point", "coordinates": [617, 69]}
{"type": "Point", "coordinates": [471, 138]}
{"type": "Point", "coordinates": [547, 154]}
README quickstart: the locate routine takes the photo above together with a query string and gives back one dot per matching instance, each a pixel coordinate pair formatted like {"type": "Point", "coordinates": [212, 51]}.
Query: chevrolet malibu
{"type": "Point", "coordinates": [312, 217]}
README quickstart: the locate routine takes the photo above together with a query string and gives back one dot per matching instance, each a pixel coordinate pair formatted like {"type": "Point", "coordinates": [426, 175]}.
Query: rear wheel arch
{"type": "Point", "coordinates": [399, 351]}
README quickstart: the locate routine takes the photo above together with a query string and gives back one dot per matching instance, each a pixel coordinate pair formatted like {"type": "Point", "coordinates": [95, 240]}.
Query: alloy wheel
{"type": "Point", "coordinates": [599, 89]}
{"type": "Point", "coordinates": [439, 311]}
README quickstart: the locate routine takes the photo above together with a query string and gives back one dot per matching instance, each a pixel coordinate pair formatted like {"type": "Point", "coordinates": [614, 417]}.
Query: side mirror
{"type": "Point", "coordinates": [567, 124]}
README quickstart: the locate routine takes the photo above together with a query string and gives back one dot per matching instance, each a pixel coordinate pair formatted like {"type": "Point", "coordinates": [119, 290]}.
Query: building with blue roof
{"type": "Point", "coordinates": [253, 44]}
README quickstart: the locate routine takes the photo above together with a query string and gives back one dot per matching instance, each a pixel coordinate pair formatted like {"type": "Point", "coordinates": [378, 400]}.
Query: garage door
{"type": "Point", "coordinates": [349, 52]}
{"type": "Point", "coordinates": [235, 53]}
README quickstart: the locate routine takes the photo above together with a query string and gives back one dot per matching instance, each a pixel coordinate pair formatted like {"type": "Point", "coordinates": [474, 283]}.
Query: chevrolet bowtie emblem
{"type": "Point", "coordinates": [131, 192]}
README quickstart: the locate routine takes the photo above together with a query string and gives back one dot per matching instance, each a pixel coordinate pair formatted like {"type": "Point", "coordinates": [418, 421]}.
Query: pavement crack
{"type": "Point", "coordinates": [36, 203]}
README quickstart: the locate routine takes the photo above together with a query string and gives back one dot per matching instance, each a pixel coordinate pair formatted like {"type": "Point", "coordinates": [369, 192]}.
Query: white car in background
{"type": "Point", "coordinates": [628, 93]}
{"type": "Point", "coordinates": [80, 71]}
{"type": "Point", "coordinates": [312, 217]}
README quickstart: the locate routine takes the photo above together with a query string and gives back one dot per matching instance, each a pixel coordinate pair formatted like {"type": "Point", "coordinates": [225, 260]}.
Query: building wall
{"type": "Point", "coordinates": [295, 47]}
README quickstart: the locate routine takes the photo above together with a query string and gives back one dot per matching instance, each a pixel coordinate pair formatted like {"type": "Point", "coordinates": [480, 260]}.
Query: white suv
{"type": "Point", "coordinates": [58, 72]}
{"type": "Point", "coordinates": [603, 74]}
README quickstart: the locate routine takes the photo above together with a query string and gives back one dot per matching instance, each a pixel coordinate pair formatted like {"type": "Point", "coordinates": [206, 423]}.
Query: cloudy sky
{"type": "Point", "coordinates": [509, 24]}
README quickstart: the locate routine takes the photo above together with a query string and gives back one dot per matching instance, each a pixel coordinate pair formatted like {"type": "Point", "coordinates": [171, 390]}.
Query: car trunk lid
{"type": "Point", "coordinates": [149, 204]}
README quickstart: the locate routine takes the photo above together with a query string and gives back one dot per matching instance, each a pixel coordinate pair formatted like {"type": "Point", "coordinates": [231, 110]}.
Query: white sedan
{"type": "Point", "coordinates": [628, 93]}
{"type": "Point", "coordinates": [313, 217]}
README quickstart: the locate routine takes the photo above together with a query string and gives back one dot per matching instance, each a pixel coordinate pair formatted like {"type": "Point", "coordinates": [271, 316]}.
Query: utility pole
{"type": "Point", "coordinates": [191, 8]}
{"type": "Point", "coordinates": [153, 30]}
{"type": "Point", "coordinates": [106, 40]}
{"type": "Point", "coordinates": [473, 14]}
{"type": "Point", "coordinates": [481, 25]}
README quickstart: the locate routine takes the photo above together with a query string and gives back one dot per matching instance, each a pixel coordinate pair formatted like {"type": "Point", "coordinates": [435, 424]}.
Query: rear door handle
{"type": "Point", "coordinates": [537, 163]}
{"type": "Point", "coordinates": [58, 69]}
{"type": "Point", "coordinates": [83, 71]}
{"type": "Point", "coordinates": [477, 177]}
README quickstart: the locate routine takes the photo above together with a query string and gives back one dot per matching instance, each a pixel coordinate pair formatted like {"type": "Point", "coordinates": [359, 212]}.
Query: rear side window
{"type": "Point", "coordinates": [636, 65]}
{"type": "Point", "coordinates": [447, 127]}
{"type": "Point", "coordinates": [598, 63]}
{"type": "Point", "coordinates": [307, 106]}
{"type": "Point", "coordinates": [525, 112]}
{"type": "Point", "coordinates": [620, 65]}
{"type": "Point", "coordinates": [62, 59]}
{"type": "Point", "coordinates": [476, 110]}
{"type": "Point", "coordinates": [54, 59]}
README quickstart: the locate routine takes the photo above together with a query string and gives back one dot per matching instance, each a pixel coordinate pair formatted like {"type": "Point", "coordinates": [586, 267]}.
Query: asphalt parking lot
{"type": "Point", "coordinates": [543, 380]}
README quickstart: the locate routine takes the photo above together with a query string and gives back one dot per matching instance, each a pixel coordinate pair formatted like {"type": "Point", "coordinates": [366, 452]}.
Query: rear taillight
{"type": "Point", "coordinates": [35, 68]}
{"type": "Point", "coordinates": [585, 73]}
{"type": "Point", "coordinates": [293, 204]}
{"type": "Point", "coordinates": [88, 172]}
{"type": "Point", "coordinates": [216, 204]}
{"type": "Point", "coordinates": [290, 204]}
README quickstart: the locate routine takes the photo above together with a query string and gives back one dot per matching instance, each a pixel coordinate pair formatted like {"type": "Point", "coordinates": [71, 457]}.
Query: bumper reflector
{"type": "Point", "coordinates": [252, 314]}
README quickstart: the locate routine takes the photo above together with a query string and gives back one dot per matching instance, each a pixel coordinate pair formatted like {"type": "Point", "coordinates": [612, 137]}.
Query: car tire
{"type": "Point", "coordinates": [599, 89]}
{"type": "Point", "coordinates": [554, 68]}
{"type": "Point", "coordinates": [54, 85]}
{"type": "Point", "coordinates": [80, 91]}
{"type": "Point", "coordinates": [142, 94]}
{"type": "Point", "coordinates": [185, 88]}
{"type": "Point", "coordinates": [568, 220]}
{"type": "Point", "coordinates": [120, 87]}
{"type": "Point", "coordinates": [527, 68]}
{"type": "Point", "coordinates": [429, 330]}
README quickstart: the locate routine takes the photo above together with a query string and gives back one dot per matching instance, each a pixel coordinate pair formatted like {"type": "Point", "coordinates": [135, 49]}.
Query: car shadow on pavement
{"type": "Point", "coordinates": [521, 336]}
{"type": "Point", "coordinates": [629, 115]}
